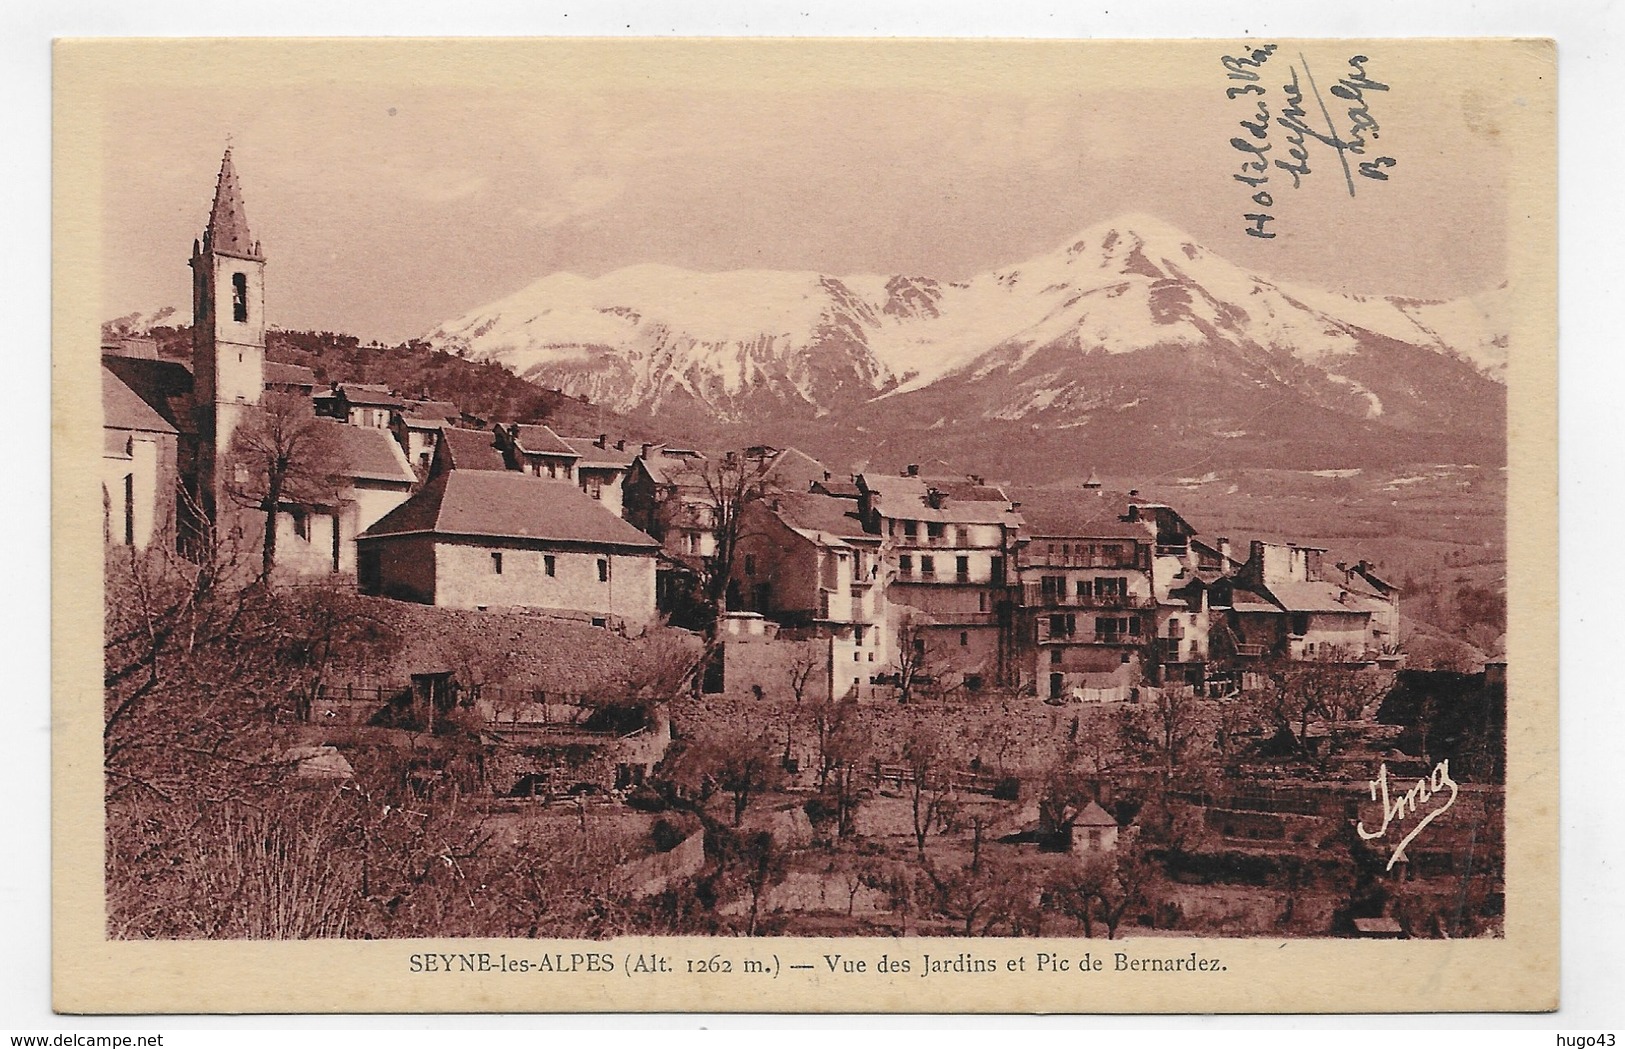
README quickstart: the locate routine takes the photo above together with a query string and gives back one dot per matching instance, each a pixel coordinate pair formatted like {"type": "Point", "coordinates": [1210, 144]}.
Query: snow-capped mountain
{"type": "Point", "coordinates": [1108, 323]}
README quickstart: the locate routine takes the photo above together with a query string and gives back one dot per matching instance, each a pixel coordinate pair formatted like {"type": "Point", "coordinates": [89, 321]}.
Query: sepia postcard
{"type": "Point", "coordinates": [805, 525]}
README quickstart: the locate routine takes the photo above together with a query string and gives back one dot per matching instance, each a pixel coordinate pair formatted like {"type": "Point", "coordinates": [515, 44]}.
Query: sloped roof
{"type": "Point", "coordinates": [368, 394]}
{"type": "Point", "coordinates": [228, 223]}
{"type": "Point", "coordinates": [508, 505]}
{"type": "Point", "coordinates": [665, 468]}
{"type": "Point", "coordinates": [123, 410]}
{"type": "Point", "coordinates": [1094, 816]}
{"type": "Point", "coordinates": [166, 387]}
{"type": "Point", "coordinates": [280, 374]}
{"type": "Point", "coordinates": [807, 511]}
{"type": "Point", "coordinates": [537, 439]}
{"type": "Point", "coordinates": [441, 411]}
{"type": "Point", "coordinates": [470, 450]}
{"type": "Point", "coordinates": [1310, 597]}
{"type": "Point", "coordinates": [1075, 513]}
{"type": "Point", "coordinates": [370, 453]}
{"type": "Point", "coordinates": [795, 465]}
{"type": "Point", "coordinates": [1244, 600]}
{"type": "Point", "coordinates": [603, 458]}
{"type": "Point", "coordinates": [967, 502]}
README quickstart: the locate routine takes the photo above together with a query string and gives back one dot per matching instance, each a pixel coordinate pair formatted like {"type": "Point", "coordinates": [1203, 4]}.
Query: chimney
{"type": "Point", "coordinates": [911, 470]}
{"type": "Point", "coordinates": [1224, 547]}
{"type": "Point", "coordinates": [1134, 493]}
{"type": "Point", "coordinates": [620, 445]}
{"type": "Point", "coordinates": [603, 440]}
{"type": "Point", "coordinates": [513, 430]}
{"type": "Point", "coordinates": [976, 479]}
{"type": "Point", "coordinates": [647, 448]}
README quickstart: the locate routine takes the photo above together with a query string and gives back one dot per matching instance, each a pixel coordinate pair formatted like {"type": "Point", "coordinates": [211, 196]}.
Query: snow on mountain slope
{"type": "Point", "coordinates": [734, 344]}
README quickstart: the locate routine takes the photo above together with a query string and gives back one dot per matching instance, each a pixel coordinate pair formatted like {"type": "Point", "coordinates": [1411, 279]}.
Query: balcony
{"type": "Point", "coordinates": [1035, 596]}
{"type": "Point", "coordinates": [1088, 637]}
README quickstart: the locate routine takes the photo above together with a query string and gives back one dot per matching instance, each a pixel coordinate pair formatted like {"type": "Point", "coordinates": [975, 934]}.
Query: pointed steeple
{"type": "Point", "coordinates": [228, 225]}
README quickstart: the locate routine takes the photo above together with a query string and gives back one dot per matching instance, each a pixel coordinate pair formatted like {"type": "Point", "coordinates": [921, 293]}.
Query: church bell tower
{"type": "Point", "coordinates": [228, 329]}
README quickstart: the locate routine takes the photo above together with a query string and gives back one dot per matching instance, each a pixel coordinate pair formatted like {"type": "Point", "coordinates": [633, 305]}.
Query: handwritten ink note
{"type": "Point", "coordinates": [1297, 116]}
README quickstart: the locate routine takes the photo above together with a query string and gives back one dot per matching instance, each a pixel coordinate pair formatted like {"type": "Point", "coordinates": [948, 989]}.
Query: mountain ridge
{"type": "Point", "coordinates": [1031, 344]}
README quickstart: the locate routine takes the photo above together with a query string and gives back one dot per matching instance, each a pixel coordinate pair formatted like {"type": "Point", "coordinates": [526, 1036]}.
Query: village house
{"type": "Point", "coordinates": [295, 379]}
{"type": "Point", "coordinates": [536, 450]}
{"type": "Point", "coordinates": [359, 404]}
{"type": "Point", "coordinates": [140, 458]}
{"type": "Point", "coordinates": [417, 425]}
{"type": "Point", "coordinates": [1087, 594]}
{"type": "Point", "coordinates": [1343, 615]}
{"type": "Point", "coordinates": [602, 468]}
{"type": "Point", "coordinates": [949, 545]}
{"type": "Point", "coordinates": [488, 539]}
{"type": "Point", "coordinates": [805, 561]}
{"type": "Point", "coordinates": [316, 540]}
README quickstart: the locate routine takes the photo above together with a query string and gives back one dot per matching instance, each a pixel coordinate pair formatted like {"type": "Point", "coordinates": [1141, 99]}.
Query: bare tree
{"type": "Point", "coordinates": [798, 675]}
{"type": "Point", "coordinates": [929, 758]}
{"type": "Point", "coordinates": [1296, 693]}
{"type": "Point", "coordinates": [283, 457]}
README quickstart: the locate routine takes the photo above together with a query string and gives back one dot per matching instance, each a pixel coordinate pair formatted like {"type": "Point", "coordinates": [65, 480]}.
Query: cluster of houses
{"type": "Point", "coordinates": [917, 579]}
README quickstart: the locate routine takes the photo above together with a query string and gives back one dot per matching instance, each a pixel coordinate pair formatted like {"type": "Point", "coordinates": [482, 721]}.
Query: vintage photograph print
{"type": "Point", "coordinates": [821, 525]}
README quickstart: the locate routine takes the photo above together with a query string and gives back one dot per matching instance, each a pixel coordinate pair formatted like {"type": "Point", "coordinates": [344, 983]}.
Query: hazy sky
{"type": "Point", "coordinates": [391, 196]}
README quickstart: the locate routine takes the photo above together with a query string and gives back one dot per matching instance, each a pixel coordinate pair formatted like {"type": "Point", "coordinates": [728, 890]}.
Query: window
{"type": "Point", "coordinates": [928, 567]}
{"type": "Point", "coordinates": [962, 569]}
{"type": "Point", "coordinates": [301, 525]}
{"type": "Point", "coordinates": [919, 648]}
{"type": "Point", "coordinates": [964, 638]}
{"type": "Point", "coordinates": [603, 570]}
{"type": "Point", "coordinates": [981, 600]}
{"type": "Point", "coordinates": [750, 564]}
{"type": "Point", "coordinates": [496, 561]}
{"type": "Point", "coordinates": [905, 564]}
{"type": "Point", "coordinates": [1112, 586]}
{"type": "Point", "coordinates": [857, 634]}
{"type": "Point", "coordinates": [962, 535]}
{"type": "Point", "coordinates": [596, 490]}
{"type": "Point", "coordinates": [239, 297]}
{"type": "Point", "coordinates": [1055, 657]}
{"type": "Point", "coordinates": [911, 529]}
{"type": "Point", "coordinates": [857, 657]}
{"type": "Point", "coordinates": [934, 529]}
{"type": "Point", "coordinates": [550, 564]}
{"type": "Point", "coordinates": [997, 571]}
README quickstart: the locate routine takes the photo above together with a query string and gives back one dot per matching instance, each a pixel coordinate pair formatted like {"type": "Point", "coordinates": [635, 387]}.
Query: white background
{"type": "Point", "coordinates": [1590, 391]}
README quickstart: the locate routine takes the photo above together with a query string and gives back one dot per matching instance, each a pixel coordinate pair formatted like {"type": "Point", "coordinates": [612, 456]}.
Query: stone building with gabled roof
{"type": "Point", "coordinates": [139, 468]}
{"type": "Point", "coordinates": [488, 539]}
